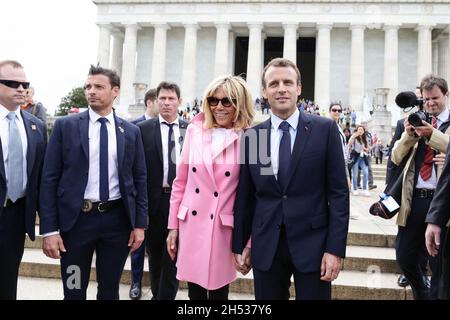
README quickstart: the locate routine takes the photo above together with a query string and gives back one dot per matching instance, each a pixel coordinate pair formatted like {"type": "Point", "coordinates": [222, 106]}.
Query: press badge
{"type": "Point", "coordinates": [390, 203]}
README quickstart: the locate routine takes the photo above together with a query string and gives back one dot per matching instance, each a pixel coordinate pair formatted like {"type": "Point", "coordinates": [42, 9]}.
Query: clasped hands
{"type": "Point", "coordinates": [242, 262]}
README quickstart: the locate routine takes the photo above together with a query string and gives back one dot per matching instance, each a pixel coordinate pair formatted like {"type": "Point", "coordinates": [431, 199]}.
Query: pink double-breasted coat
{"type": "Point", "coordinates": [201, 207]}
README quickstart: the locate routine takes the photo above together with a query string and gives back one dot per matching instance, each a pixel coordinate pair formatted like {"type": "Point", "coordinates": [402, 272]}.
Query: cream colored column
{"type": "Point", "coordinates": [189, 63]}
{"type": "Point", "coordinates": [391, 64]}
{"type": "Point", "coordinates": [443, 55]}
{"type": "Point", "coordinates": [104, 43]}
{"type": "Point", "coordinates": [357, 68]}
{"type": "Point", "coordinates": [322, 76]}
{"type": "Point", "coordinates": [424, 51]}
{"type": "Point", "coordinates": [290, 41]}
{"type": "Point", "coordinates": [159, 54]}
{"type": "Point", "coordinates": [129, 68]}
{"type": "Point", "coordinates": [222, 44]}
{"type": "Point", "coordinates": [254, 62]}
{"type": "Point", "coordinates": [117, 51]}
{"type": "Point", "coordinates": [435, 56]}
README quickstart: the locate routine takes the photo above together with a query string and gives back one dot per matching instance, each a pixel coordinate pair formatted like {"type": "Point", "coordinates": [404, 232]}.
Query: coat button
{"type": "Point", "coordinates": [216, 194]}
{"type": "Point", "coordinates": [194, 169]}
{"type": "Point", "coordinates": [285, 197]}
{"type": "Point", "coordinates": [227, 174]}
{"type": "Point", "coordinates": [212, 216]}
{"type": "Point", "coordinates": [194, 213]}
{"type": "Point", "coordinates": [197, 190]}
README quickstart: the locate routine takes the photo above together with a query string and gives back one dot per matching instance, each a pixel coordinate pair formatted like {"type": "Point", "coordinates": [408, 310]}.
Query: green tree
{"type": "Point", "coordinates": [75, 99]}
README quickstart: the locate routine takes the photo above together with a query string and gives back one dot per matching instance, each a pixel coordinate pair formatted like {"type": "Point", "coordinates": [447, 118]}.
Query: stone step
{"type": "Point", "coordinates": [371, 283]}
{"type": "Point", "coordinates": [354, 239]}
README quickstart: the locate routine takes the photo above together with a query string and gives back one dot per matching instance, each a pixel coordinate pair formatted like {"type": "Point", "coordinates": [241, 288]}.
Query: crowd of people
{"type": "Point", "coordinates": [208, 195]}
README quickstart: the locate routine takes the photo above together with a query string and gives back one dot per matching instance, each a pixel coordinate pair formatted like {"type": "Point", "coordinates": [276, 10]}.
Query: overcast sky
{"type": "Point", "coordinates": [55, 41]}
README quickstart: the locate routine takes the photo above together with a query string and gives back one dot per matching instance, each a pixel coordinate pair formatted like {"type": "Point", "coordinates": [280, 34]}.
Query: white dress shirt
{"type": "Point", "coordinates": [165, 148]}
{"type": "Point", "coordinates": [276, 134]}
{"type": "Point", "coordinates": [432, 182]}
{"type": "Point", "coordinates": [219, 136]}
{"type": "Point", "coordinates": [4, 136]}
{"type": "Point", "coordinates": [92, 191]}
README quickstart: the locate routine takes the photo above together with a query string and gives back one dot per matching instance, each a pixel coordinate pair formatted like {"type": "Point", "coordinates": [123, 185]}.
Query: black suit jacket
{"type": "Point", "coordinates": [66, 169]}
{"type": "Point", "coordinates": [315, 203]}
{"type": "Point", "coordinates": [151, 137]}
{"type": "Point", "coordinates": [37, 142]}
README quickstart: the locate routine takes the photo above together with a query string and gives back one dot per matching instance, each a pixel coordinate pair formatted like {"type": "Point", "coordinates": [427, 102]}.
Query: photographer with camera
{"type": "Point", "coordinates": [426, 133]}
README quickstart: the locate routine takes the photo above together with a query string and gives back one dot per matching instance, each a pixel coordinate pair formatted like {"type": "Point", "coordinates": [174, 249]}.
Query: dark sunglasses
{"type": "Point", "coordinates": [336, 110]}
{"type": "Point", "coordinates": [214, 102]}
{"type": "Point", "coordinates": [15, 84]}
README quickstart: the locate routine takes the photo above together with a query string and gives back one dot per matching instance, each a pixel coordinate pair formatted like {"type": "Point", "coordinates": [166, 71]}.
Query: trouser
{"type": "Point", "coordinates": [410, 250]}
{"type": "Point", "coordinates": [274, 283]}
{"type": "Point", "coordinates": [163, 272]}
{"type": "Point", "coordinates": [197, 292]}
{"type": "Point", "coordinates": [12, 240]}
{"type": "Point", "coordinates": [107, 234]}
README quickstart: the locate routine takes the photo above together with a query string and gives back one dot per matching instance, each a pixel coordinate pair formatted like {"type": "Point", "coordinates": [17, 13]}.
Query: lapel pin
{"type": "Point", "coordinates": [121, 130]}
{"type": "Point", "coordinates": [33, 127]}
{"type": "Point", "coordinates": [306, 128]}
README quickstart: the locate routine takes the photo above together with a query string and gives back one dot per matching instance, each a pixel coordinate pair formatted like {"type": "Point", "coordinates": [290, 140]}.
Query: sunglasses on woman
{"type": "Point", "coordinates": [226, 103]}
{"type": "Point", "coordinates": [15, 84]}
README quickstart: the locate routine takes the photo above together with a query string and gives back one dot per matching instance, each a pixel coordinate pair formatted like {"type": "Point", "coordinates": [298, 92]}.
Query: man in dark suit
{"type": "Point", "coordinates": [437, 237]}
{"type": "Point", "coordinates": [23, 139]}
{"type": "Point", "coordinates": [162, 137]}
{"type": "Point", "coordinates": [138, 257]}
{"type": "Point", "coordinates": [293, 198]}
{"type": "Point", "coordinates": [151, 107]}
{"type": "Point", "coordinates": [95, 197]}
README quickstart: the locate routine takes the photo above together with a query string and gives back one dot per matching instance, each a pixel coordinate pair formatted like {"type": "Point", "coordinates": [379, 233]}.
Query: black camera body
{"type": "Point", "coordinates": [408, 99]}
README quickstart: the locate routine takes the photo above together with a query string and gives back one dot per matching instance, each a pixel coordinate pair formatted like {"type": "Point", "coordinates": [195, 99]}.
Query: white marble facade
{"type": "Point", "coordinates": [360, 45]}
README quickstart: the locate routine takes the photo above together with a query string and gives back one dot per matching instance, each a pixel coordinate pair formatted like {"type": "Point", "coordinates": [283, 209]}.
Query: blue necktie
{"type": "Point", "coordinates": [15, 160]}
{"type": "Point", "coordinates": [104, 177]}
{"type": "Point", "coordinates": [171, 153]}
{"type": "Point", "coordinates": [284, 155]}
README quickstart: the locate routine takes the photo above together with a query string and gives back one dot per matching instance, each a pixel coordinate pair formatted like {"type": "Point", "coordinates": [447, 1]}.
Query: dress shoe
{"type": "Point", "coordinates": [135, 291]}
{"type": "Point", "coordinates": [374, 186]}
{"type": "Point", "coordinates": [402, 281]}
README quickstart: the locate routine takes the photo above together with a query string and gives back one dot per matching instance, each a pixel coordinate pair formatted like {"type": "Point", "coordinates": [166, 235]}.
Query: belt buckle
{"type": "Point", "coordinates": [100, 207]}
{"type": "Point", "coordinates": [87, 206]}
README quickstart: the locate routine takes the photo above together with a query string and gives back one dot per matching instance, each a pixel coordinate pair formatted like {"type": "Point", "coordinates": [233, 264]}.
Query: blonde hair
{"type": "Point", "coordinates": [236, 89]}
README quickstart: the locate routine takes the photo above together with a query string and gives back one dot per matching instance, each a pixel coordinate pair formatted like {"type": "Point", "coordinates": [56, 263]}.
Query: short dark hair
{"type": "Point", "coordinates": [334, 104]}
{"type": "Point", "coordinates": [429, 81]}
{"type": "Point", "coordinates": [281, 62]}
{"type": "Point", "coordinates": [13, 63]}
{"type": "Point", "coordinates": [168, 86]}
{"type": "Point", "coordinates": [150, 95]}
{"type": "Point", "coordinates": [113, 77]}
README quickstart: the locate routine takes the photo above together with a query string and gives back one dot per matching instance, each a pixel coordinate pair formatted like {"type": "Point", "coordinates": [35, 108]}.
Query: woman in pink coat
{"type": "Point", "coordinates": [203, 193]}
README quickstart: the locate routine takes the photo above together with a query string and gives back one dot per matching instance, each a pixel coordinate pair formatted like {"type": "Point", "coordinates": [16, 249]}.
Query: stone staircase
{"type": "Point", "coordinates": [369, 271]}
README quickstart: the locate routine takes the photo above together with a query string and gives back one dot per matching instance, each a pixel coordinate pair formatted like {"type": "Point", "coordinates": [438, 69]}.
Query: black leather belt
{"type": "Point", "coordinates": [423, 193]}
{"type": "Point", "coordinates": [9, 203]}
{"type": "Point", "coordinates": [102, 207]}
{"type": "Point", "coordinates": [166, 189]}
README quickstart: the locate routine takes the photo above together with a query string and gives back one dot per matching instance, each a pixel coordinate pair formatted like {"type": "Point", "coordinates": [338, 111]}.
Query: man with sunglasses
{"type": "Point", "coordinates": [162, 137]}
{"type": "Point", "coordinates": [23, 139]}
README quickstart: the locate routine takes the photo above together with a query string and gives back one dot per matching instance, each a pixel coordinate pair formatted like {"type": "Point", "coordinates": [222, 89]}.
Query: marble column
{"type": "Point", "coordinates": [129, 69]}
{"type": "Point", "coordinates": [443, 57]}
{"type": "Point", "coordinates": [189, 63]}
{"type": "Point", "coordinates": [424, 51]}
{"type": "Point", "coordinates": [254, 62]}
{"type": "Point", "coordinates": [435, 56]}
{"type": "Point", "coordinates": [222, 43]}
{"type": "Point", "coordinates": [117, 51]}
{"type": "Point", "coordinates": [159, 54]}
{"type": "Point", "coordinates": [104, 43]}
{"type": "Point", "coordinates": [290, 41]}
{"type": "Point", "coordinates": [322, 76]}
{"type": "Point", "coordinates": [231, 52]}
{"type": "Point", "coordinates": [391, 66]}
{"type": "Point", "coordinates": [357, 69]}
